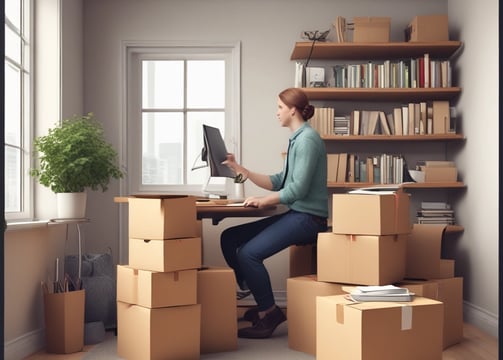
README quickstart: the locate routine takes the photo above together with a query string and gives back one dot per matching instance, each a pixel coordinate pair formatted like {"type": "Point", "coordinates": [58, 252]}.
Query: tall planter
{"type": "Point", "coordinates": [71, 205]}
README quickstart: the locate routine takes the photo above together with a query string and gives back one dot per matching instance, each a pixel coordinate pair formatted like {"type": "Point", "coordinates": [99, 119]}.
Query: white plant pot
{"type": "Point", "coordinates": [239, 191]}
{"type": "Point", "coordinates": [71, 205]}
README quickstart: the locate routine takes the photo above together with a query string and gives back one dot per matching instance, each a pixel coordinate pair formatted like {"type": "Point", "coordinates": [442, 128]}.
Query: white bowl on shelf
{"type": "Point", "coordinates": [417, 175]}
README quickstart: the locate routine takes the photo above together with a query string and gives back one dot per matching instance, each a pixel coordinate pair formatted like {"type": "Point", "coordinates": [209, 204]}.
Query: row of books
{"type": "Point", "coordinates": [375, 169]}
{"type": "Point", "coordinates": [420, 118]}
{"type": "Point", "coordinates": [421, 72]}
{"type": "Point", "coordinates": [436, 213]}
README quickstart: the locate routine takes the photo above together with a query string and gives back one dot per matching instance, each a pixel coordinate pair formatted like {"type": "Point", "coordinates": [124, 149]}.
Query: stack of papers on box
{"type": "Point", "coordinates": [381, 293]}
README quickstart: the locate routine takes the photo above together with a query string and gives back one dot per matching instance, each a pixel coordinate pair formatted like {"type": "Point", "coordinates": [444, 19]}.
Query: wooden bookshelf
{"type": "Point", "coordinates": [382, 94]}
{"type": "Point", "coordinates": [376, 51]}
{"type": "Point", "coordinates": [432, 185]}
{"type": "Point", "coordinates": [428, 137]}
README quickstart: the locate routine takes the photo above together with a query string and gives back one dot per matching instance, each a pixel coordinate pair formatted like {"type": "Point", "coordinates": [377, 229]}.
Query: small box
{"type": "Point", "coordinates": [168, 333]}
{"type": "Point", "coordinates": [167, 217]}
{"type": "Point", "coordinates": [371, 29]}
{"type": "Point", "coordinates": [450, 292]}
{"type": "Point", "coordinates": [302, 259]}
{"type": "Point", "coordinates": [301, 305]}
{"type": "Point", "coordinates": [165, 255]}
{"type": "Point", "coordinates": [216, 292]}
{"type": "Point", "coordinates": [378, 330]}
{"type": "Point", "coordinates": [361, 259]}
{"type": "Point", "coordinates": [428, 28]}
{"type": "Point", "coordinates": [371, 214]}
{"type": "Point", "coordinates": [424, 248]}
{"type": "Point", "coordinates": [440, 174]}
{"type": "Point", "coordinates": [64, 321]}
{"type": "Point", "coordinates": [156, 289]}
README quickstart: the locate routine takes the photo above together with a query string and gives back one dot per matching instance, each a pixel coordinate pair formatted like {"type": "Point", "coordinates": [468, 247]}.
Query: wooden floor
{"type": "Point", "coordinates": [476, 345]}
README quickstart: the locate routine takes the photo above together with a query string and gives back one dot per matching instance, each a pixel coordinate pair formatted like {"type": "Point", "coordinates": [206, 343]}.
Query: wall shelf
{"type": "Point", "coordinates": [382, 94]}
{"type": "Point", "coordinates": [429, 137]}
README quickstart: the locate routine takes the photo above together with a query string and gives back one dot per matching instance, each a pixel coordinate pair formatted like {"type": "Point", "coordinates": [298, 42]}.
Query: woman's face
{"type": "Point", "coordinates": [284, 114]}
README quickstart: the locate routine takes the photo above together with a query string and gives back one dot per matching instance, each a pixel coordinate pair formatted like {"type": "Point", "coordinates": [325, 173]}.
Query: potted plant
{"type": "Point", "coordinates": [73, 157]}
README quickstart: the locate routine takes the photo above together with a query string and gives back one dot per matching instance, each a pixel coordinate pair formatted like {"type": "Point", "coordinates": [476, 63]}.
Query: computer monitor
{"type": "Point", "coordinates": [214, 152]}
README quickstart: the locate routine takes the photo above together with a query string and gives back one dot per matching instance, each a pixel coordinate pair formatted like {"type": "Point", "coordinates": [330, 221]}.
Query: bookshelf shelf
{"type": "Point", "coordinates": [435, 185]}
{"type": "Point", "coordinates": [382, 94]}
{"type": "Point", "coordinates": [429, 137]}
{"type": "Point", "coordinates": [377, 51]}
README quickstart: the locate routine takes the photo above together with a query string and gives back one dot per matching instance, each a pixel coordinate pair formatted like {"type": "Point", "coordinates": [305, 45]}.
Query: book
{"type": "Point", "coordinates": [381, 293]}
{"type": "Point", "coordinates": [435, 205]}
{"type": "Point", "coordinates": [342, 168]}
{"type": "Point", "coordinates": [332, 166]}
{"type": "Point", "coordinates": [397, 117]}
{"type": "Point", "coordinates": [384, 123]}
{"type": "Point", "coordinates": [391, 123]}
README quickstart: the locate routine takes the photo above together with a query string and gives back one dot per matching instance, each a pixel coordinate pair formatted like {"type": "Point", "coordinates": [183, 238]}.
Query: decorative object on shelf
{"type": "Point", "coordinates": [75, 156]}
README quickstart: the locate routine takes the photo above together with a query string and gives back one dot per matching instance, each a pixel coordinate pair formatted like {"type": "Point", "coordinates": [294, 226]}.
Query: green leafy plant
{"type": "Point", "coordinates": [76, 156]}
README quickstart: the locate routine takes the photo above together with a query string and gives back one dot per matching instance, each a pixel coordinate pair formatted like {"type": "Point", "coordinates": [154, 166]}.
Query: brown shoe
{"type": "Point", "coordinates": [251, 315]}
{"type": "Point", "coordinates": [264, 327]}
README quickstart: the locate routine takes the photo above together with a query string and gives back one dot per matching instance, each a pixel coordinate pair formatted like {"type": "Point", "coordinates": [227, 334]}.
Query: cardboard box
{"type": "Point", "coordinates": [302, 259]}
{"type": "Point", "coordinates": [165, 255]}
{"type": "Point", "coordinates": [369, 214]}
{"type": "Point", "coordinates": [64, 321]}
{"type": "Point", "coordinates": [428, 28]}
{"type": "Point", "coordinates": [371, 29]}
{"type": "Point", "coordinates": [440, 174]}
{"type": "Point", "coordinates": [216, 292]}
{"type": "Point", "coordinates": [158, 334]}
{"type": "Point", "coordinates": [169, 217]}
{"type": "Point", "coordinates": [449, 292]}
{"type": "Point", "coordinates": [378, 330]}
{"type": "Point", "coordinates": [301, 307]}
{"type": "Point", "coordinates": [361, 259]}
{"type": "Point", "coordinates": [423, 259]}
{"type": "Point", "coordinates": [156, 289]}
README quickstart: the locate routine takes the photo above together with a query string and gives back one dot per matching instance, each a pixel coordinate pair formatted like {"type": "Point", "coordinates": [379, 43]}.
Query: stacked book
{"type": "Point", "coordinates": [435, 212]}
{"type": "Point", "coordinates": [380, 293]}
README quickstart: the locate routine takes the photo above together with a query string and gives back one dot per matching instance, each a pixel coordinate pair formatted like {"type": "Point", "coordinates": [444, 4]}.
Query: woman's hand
{"type": "Point", "coordinates": [231, 163]}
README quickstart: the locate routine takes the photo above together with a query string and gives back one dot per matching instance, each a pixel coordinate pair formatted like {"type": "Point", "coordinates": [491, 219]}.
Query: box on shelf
{"type": "Point", "coordinates": [302, 259]}
{"type": "Point", "coordinates": [216, 293]}
{"type": "Point", "coordinates": [64, 321]}
{"type": "Point", "coordinates": [378, 330]}
{"type": "Point", "coordinates": [156, 289]}
{"type": "Point", "coordinates": [440, 174]}
{"type": "Point", "coordinates": [449, 292]}
{"type": "Point", "coordinates": [371, 214]}
{"type": "Point", "coordinates": [165, 255]}
{"type": "Point", "coordinates": [424, 247]}
{"type": "Point", "coordinates": [361, 259]}
{"type": "Point", "coordinates": [301, 306]}
{"type": "Point", "coordinates": [161, 333]}
{"type": "Point", "coordinates": [428, 28]}
{"type": "Point", "coordinates": [166, 217]}
{"type": "Point", "coordinates": [371, 29]}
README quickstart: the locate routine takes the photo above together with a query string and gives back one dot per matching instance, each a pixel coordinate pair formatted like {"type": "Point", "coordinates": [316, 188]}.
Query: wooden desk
{"type": "Point", "coordinates": [218, 210]}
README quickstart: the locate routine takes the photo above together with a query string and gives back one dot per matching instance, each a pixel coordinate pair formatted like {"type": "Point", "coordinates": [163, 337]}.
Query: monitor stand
{"type": "Point", "coordinates": [213, 194]}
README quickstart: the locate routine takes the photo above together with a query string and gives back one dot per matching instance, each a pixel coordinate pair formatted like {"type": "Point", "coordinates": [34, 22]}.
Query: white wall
{"type": "Point", "coordinates": [476, 252]}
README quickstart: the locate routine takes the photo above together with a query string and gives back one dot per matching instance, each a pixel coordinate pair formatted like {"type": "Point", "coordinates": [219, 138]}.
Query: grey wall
{"type": "Point", "coordinates": [267, 31]}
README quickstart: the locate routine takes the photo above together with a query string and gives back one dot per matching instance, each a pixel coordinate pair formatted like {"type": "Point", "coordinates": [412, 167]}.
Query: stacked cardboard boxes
{"type": "Point", "coordinates": [367, 246]}
{"type": "Point", "coordinates": [158, 316]}
{"type": "Point", "coordinates": [165, 308]}
{"type": "Point", "coordinates": [373, 243]}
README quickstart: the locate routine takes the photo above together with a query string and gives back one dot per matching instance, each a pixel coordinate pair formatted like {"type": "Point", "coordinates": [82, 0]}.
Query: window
{"type": "Point", "coordinates": [172, 91]}
{"type": "Point", "coordinates": [17, 109]}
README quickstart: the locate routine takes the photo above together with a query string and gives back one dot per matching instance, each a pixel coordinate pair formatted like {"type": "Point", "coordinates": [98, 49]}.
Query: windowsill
{"type": "Point", "coordinates": [24, 225]}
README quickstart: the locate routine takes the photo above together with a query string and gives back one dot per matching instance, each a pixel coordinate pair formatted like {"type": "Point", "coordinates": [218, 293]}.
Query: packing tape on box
{"type": "Point", "coordinates": [406, 317]}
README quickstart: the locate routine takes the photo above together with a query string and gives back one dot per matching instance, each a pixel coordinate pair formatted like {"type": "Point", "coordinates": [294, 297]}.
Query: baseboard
{"type": "Point", "coordinates": [480, 318]}
{"type": "Point", "coordinates": [24, 345]}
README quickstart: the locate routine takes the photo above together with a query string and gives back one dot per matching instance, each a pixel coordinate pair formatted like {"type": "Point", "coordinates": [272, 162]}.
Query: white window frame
{"type": "Point", "coordinates": [132, 54]}
{"type": "Point", "coordinates": [27, 69]}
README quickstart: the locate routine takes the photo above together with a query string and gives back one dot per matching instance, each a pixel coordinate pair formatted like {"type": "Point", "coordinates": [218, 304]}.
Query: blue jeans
{"type": "Point", "coordinates": [245, 247]}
